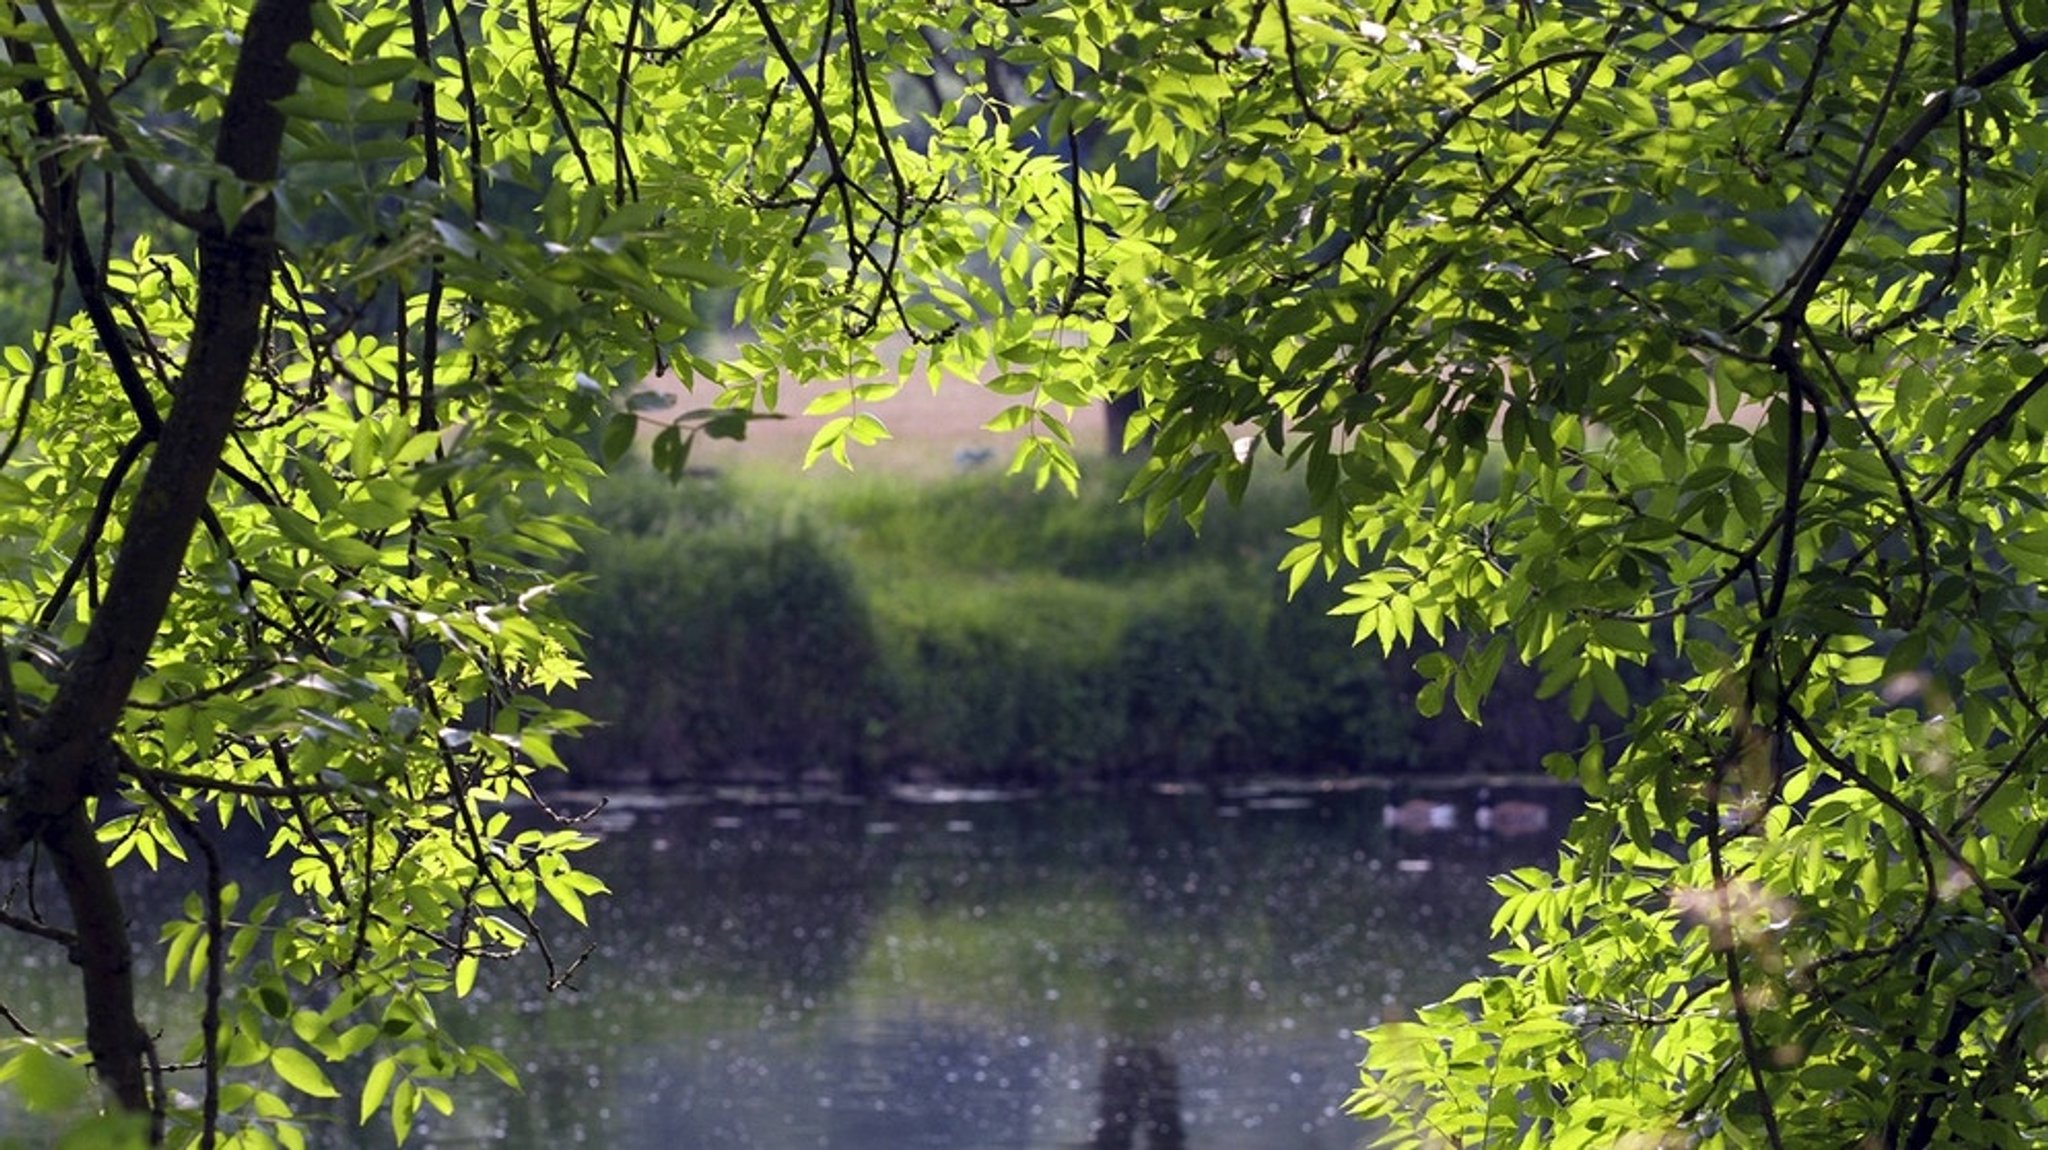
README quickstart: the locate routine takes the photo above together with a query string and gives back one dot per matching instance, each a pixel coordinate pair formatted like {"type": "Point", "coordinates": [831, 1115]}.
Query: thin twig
{"type": "Point", "coordinates": [1909, 507]}
{"type": "Point", "coordinates": [216, 951]}
{"type": "Point", "coordinates": [551, 80]}
{"type": "Point", "coordinates": [150, 776]}
{"type": "Point", "coordinates": [1918, 820]}
{"type": "Point", "coordinates": [1860, 195]}
{"type": "Point", "coordinates": [37, 927]}
{"type": "Point", "coordinates": [103, 118]}
{"type": "Point", "coordinates": [1731, 958]}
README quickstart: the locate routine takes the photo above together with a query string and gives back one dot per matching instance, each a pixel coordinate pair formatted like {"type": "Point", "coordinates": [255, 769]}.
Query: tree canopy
{"type": "Point", "coordinates": [1702, 335]}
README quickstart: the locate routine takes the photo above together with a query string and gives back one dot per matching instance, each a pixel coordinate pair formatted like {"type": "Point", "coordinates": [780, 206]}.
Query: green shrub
{"type": "Point", "coordinates": [995, 524]}
{"type": "Point", "coordinates": [1001, 679]}
{"type": "Point", "coordinates": [972, 630]}
{"type": "Point", "coordinates": [720, 642]}
{"type": "Point", "coordinates": [1329, 707]}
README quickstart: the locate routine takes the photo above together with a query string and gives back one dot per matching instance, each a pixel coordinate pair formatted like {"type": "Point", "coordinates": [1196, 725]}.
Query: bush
{"type": "Point", "coordinates": [1002, 680]}
{"type": "Point", "coordinates": [721, 643]}
{"type": "Point", "coordinates": [970, 630]}
{"type": "Point", "coordinates": [996, 525]}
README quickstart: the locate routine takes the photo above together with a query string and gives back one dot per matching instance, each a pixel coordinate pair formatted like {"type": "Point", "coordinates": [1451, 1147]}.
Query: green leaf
{"type": "Point", "coordinates": [1605, 682]}
{"type": "Point", "coordinates": [830, 402]}
{"type": "Point", "coordinates": [619, 432]}
{"type": "Point", "coordinates": [45, 1082]}
{"type": "Point", "coordinates": [275, 1001]}
{"type": "Point", "coordinates": [1011, 418]}
{"type": "Point", "coordinates": [405, 1106]}
{"type": "Point", "coordinates": [1722, 433]}
{"type": "Point", "coordinates": [318, 65]}
{"type": "Point", "coordinates": [670, 452]}
{"type": "Point", "coordinates": [372, 515]}
{"type": "Point", "coordinates": [565, 894]}
{"type": "Point", "coordinates": [295, 527]}
{"type": "Point", "coordinates": [326, 105]}
{"type": "Point", "coordinates": [731, 425]}
{"type": "Point", "coordinates": [300, 1072]}
{"type": "Point", "coordinates": [375, 1086]}
{"type": "Point", "coordinates": [830, 439]}
{"type": "Point", "coordinates": [495, 1063]}
{"type": "Point", "coordinates": [867, 429]}
{"type": "Point", "coordinates": [381, 71]}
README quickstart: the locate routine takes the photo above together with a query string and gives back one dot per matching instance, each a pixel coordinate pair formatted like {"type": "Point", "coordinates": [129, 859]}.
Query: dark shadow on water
{"type": "Point", "coordinates": [1140, 1089]}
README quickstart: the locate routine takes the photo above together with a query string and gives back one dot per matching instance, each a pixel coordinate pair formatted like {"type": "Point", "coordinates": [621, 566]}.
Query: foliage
{"type": "Point", "coordinates": [338, 294]}
{"type": "Point", "coordinates": [720, 646]}
{"type": "Point", "coordinates": [1605, 330]}
{"type": "Point", "coordinates": [1602, 329]}
{"type": "Point", "coordinates": [1589, 327]}
{"type": "Point", "coordinates": [862, 630]}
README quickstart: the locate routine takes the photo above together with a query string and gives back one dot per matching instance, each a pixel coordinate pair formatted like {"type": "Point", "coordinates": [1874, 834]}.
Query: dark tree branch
{"type": "Point", "coordinates": [1811, 81]}
{"type": "Point", "coordinates": [552, 81]}
{"type": "Point", "coordinates": [1724, 27]}
{"type": "Point", "coordinates": [628, 184]}
{"type": "Point", "coordinates": [1958, 468]}
{"type": "Point", "coordinates": [2013, 27]}
{"type": "Point", "coordinates": [430, 323]}
{"type": "Point", "coordinates": [67, 749]}
{"type": "Point", "coordinates": [152, 777]}
{"type": "Point", "coordinates": [1731, 965]}
{"type": "Point", "coordinates": [473, 115]}
{"type": "Point", "coordinates": [1919, 822]}
{"type": "Point", "coordinates": [95, 527]}
{"type": "Point", "coordinates": [1304, 100]}
{"type": "Point", "coordinates": [109, 125]}
{"type": "Point", "coordinates": [38, 928]}
{"type": "Point", "coordinates": [40, 364]}
{"type": "Point", "coordinates": [216, 957]}
{"type": "Point", "coordinates": [1909, 507]}
{"type": "Point", "coordinates": [1389, 180]}
{"type": "Point", "coordinates": [667, 53]}
{"type": "Point", "coordinates": [1501, 193]}
{"type": "Point", "coordinates": [1857, 199]}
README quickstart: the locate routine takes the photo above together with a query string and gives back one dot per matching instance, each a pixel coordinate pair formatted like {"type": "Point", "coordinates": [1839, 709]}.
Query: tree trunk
{"type": "Point", "coordinates": [1117, 415]}
{"type": "Point", "coordinates": [66, 753]}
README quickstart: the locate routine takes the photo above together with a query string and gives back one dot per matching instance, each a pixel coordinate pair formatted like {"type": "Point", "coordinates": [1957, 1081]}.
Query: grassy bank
{"type": "Point", "coordinates": [972, 630]}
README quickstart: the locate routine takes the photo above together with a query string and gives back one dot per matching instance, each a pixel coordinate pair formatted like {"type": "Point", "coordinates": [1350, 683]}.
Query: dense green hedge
{"type": "Point", "coordinates": [720, 642]}
{"type": "Point", "coordinates": [971, 630]}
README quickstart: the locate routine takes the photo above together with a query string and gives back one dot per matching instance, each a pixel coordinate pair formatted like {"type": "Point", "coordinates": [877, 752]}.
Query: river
{"type": "Point", "coordinates": [1176, 971]}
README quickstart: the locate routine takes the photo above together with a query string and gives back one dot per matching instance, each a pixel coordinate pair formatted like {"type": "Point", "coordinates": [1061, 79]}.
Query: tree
{"type": "Point", "coordinates": [332, 662]}
{"type": "Point", "coordinates": [1704, 334]}
{"type": "Point", "coordinates": [342, 297]}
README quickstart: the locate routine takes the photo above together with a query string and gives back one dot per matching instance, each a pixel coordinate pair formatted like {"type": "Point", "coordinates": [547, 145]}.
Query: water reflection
{"type": "Point", "coordinates": [1173, 972]}
{"type": "Point", "coordinates": [1179, 973]}
{"type": "Point", "coordinates": [1140, 1098]}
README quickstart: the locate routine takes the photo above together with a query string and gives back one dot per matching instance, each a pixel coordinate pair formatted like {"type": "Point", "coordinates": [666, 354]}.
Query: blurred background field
{"type": "Point", "coordinates": [928, 618]}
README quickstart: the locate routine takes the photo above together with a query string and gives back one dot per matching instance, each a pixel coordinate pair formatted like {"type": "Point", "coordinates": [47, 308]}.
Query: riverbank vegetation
{"type": "Point", "coordinates": [872, 628]}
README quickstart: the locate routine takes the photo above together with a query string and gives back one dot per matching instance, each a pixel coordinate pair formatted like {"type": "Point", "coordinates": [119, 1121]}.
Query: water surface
{"type": "Point", "coordinates": [1179, 971]}
{"type": "Point", "coordinates": [1027, 975]}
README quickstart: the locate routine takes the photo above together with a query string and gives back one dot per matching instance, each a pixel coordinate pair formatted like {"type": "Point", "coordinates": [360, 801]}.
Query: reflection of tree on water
{"type": "Point", "coordinates": [1138, 1086]}
{"type": "Point", "coordinates": [1140, 1089]}
{"type": "Point", "coordinates": [1084, 973]}
{"type": "Point", "coordinates": [757, 917]}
